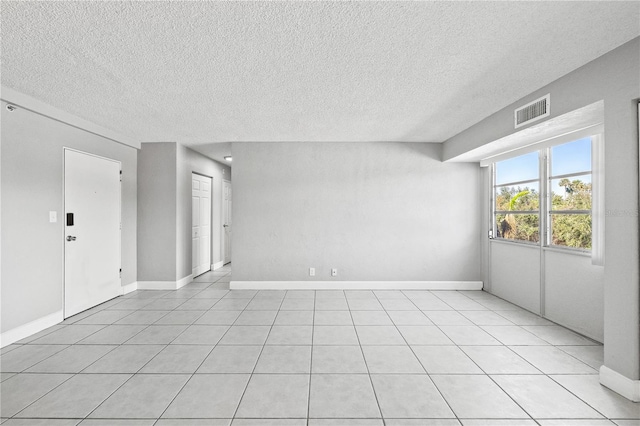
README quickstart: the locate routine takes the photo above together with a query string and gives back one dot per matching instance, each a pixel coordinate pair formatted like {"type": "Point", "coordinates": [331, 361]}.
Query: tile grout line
{"type": "Point", "coordinates": [166, 346]}
{"type": "Point", "coordinates": [38, 399]}
{"type": "Point", "coordinates": [136, 373]}
{"type": "Point", "coordinates": [365, 363]}
{"type": "Point", "coordinates": [72, 375]}
{"type": "Point", "coordinates": [521, 326]}
{"type": "Point", "coordinates": [313, 332]}
{"type": "Point", "coordinates": [576, 396]}
{"type": "Point", "coordinates": [490, 378]}
{"type": "Point", "coordinates": [194, 371]}
{"type": "Point", "coordinates": [264, 344]}
{"type": "Point", "coordinates": [414, 354]}
{"type": "Point", "coordinates": [257, 359]}
{"type": "Point", "coordinates": [149, 325]}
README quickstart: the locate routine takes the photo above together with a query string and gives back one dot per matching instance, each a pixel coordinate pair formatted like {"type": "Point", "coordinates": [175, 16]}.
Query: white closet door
{"type": "Point", "coordinates": [200, 224]}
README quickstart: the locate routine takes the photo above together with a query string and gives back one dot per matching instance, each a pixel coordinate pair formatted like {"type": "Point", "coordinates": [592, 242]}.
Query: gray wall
{"type": "Point", "coordinates": [574, 293]}
{"type": "Point", "coordinates": [570, 286]}
{"type": "Point", "coordinates": [32, 185]}
{"type": "Point", "coordinates": [164, 213]}
{"type": "Point", "coordinates": [614, 79]}
{"type": "Point", "coordinates": [374, 211]}
{"type": "Point", "coordinates": [157, 212]}
{"type": "Point", "coordinates": [515, 273]}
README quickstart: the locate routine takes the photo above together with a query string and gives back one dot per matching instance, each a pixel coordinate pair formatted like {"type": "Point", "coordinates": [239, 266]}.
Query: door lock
{"type": "Point", "coordinates": [71, 238]}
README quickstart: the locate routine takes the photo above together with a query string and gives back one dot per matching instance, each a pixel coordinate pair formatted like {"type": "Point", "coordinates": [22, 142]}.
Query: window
{"type": "Point", "coordinates": [517, 198]}
{"type": "Point", "coordinates": [569, 181]}
{"type": "Point", "coordinates": [545, 197]}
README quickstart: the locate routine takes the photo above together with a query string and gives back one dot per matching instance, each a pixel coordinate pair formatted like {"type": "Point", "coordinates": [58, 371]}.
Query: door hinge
{"type": "Point", "coordinates": [120, 272]}
{"type": "Point", "coordinates": [120, 175]}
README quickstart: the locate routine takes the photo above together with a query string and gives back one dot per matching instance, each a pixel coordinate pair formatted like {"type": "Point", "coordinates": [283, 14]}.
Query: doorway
{"type": "Point", "coordinates": [92, 230]}
{"type": "Point", "coordinates": [201, 224]}
{"type": "Point", "coordinates": [226, 220]}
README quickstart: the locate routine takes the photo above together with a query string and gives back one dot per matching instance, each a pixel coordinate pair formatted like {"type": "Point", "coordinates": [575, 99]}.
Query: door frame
{"type": "Point", "coordinates": [222, 218]}
{"type": "Point", "coordinates": [64, 219]}
{"type": "Point", "coordinates": [193, 172]}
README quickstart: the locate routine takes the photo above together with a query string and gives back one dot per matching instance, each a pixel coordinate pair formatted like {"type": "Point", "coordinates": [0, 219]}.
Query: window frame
{"type": "Point", "coordinates": [495, 212]}
{"type": "Point", "coordinates": [545, 207]}
{"type": "Point", "coordinates": [549, 177]}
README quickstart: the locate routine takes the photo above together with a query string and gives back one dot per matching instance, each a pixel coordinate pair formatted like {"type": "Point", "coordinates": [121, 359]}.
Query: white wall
{"type": "Point", "coordinates": [164, 186]}
{"type": "Point", "coordinates": [613, 78]}
{"type": "Point", "coordinates": [374, 211]}
{"type": "Point", "coordinates": [32, 185]}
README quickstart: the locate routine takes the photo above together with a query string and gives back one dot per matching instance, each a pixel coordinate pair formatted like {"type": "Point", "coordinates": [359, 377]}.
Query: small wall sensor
{"type": "Point", "coordinates": [11, 108]}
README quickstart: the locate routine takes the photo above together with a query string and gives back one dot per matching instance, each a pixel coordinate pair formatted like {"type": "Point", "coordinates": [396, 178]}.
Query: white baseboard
{"type": "Point", "coordinates": [164, 285]}
{"type": "Point", "coordinates": [30, 328]}
{"type": "Point", "coordinates": [156, 285]}
{"type": "Point", "coordinates": [129, 287]}
{"type": "Point", "coordinates": [217, 265]}
{"type": "Point", "coordinates": [184, 281]}
{"type": "Point", "coordinates": [355, 285]}
{"type": "Point", "coordinates": [618, 383]}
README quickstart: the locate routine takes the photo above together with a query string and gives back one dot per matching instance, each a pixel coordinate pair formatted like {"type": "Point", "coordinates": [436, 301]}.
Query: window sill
{"type": "Point", "coordinates": [555, 249]}
{"type": "Point", "coordinates": [568, 250]}
{"type": "Point", "coordinates": [515, 243]}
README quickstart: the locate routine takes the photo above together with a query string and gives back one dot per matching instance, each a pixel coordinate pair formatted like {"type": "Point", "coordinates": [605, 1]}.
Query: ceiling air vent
{"type": "Point", "coordinates": [533, 111]}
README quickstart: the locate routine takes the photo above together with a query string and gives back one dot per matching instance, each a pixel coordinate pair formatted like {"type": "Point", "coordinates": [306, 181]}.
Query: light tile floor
{"type": "Point", "coordinates": [204, 355]}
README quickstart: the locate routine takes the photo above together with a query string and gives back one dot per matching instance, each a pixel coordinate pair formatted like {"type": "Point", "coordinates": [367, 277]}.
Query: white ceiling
{"type": "Point", "coordinates": [201, 73]}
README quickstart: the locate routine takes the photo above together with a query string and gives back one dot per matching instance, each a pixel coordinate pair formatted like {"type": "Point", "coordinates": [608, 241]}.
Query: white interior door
{"type": "Point", "coordinates": [201, 224]}
{"type": "Point", "coordinates": [226, 220]}
{"type": "Point", "coordinates": [92, 231]}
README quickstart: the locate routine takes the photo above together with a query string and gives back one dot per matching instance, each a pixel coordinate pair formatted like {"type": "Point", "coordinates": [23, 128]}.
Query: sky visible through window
{"type": "Point", "coordinates": [567, 158]}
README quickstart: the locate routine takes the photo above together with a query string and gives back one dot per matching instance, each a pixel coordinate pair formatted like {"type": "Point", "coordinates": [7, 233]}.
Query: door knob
{"type": "Point", "coordinates": [225, 225]}
{"type": "Point", "coordinates": [71, 238]}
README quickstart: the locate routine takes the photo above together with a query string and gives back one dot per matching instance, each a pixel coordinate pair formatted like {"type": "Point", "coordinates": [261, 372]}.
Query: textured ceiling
{"type": "Point", "coordinates": [205, 72]}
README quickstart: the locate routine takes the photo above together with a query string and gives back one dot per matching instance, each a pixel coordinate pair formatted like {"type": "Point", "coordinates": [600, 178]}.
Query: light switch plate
{"type": "Point", "coordinates": [53, 217]}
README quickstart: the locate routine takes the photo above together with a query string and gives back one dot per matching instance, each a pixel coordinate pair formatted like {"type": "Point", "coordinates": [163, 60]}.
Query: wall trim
{"type": "Point", "coordinates": [184, 281]}
{"type": "Point", "coordinates": [29, 103]}
{"type": "Point", "coordinates": [355, 285]}
{"type": "Point", "coordinates": [164, 285]}
{"type": "Point", "coordinates": [128, 288]}
{"type": "Point", "coordinates": [30, 328]}
{"type": "Point", "coordinates": [620, 384]}
{"type": "Point", "coordinates": [217, 265]}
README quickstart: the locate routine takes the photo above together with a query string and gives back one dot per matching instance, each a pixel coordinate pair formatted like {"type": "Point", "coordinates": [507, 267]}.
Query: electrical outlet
{"type": "Point", "coordinates": [334, 272]}
{"type": "Point", "coordinates": [312, 272]}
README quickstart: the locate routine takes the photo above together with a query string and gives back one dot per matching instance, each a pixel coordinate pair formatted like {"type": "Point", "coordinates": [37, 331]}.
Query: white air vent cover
{"type": "Point", "coordinates": [533, 111]}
